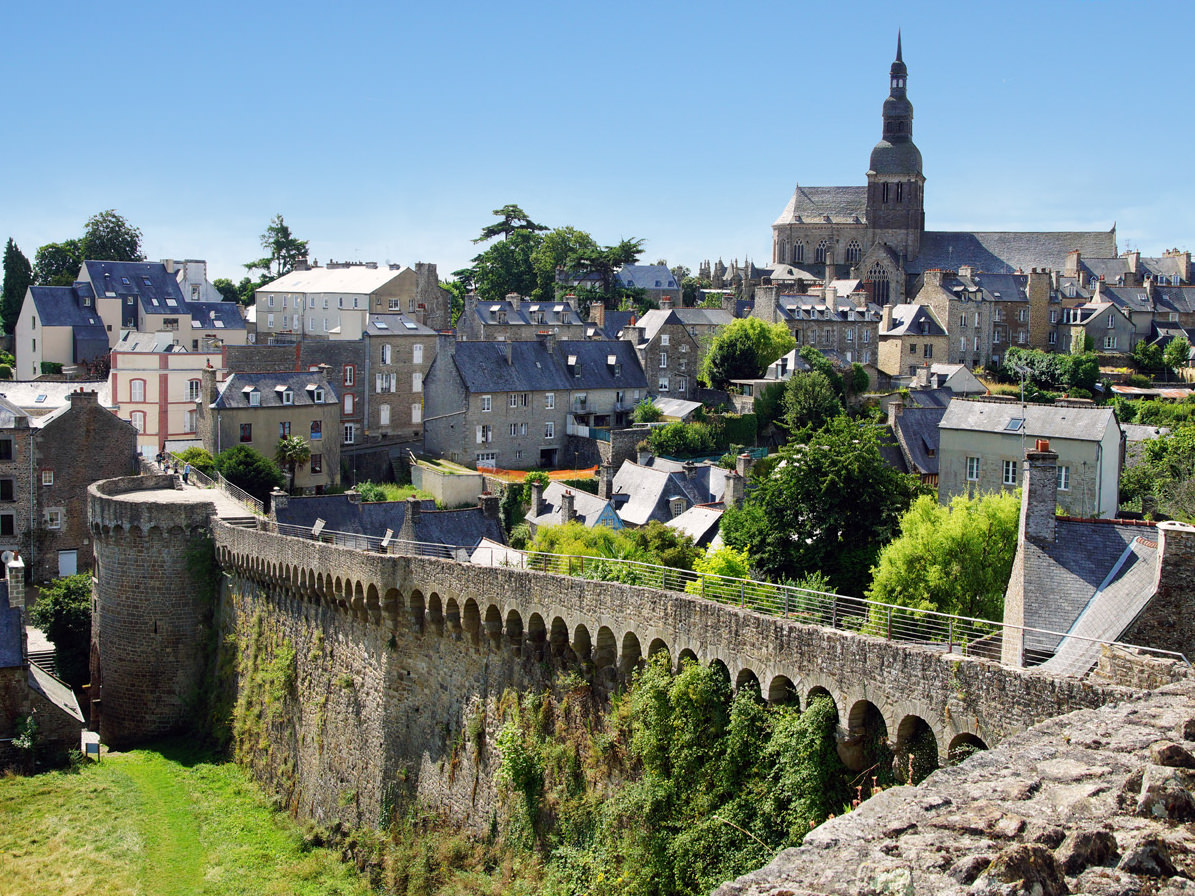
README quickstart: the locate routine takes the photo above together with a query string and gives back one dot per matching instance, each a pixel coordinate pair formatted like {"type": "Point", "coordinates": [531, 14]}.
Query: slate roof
{"type": "Point", "coordinates": [215, 316]}
{"type": "Point", "coordinates": [464, 528]}
{"type": "Point", "coordinates": [234, 391]}
{"type": "Point", "coordinates": [929, 398]}
{"type": "Point", "coordinates": [647, 276]}
{"type": "Point", "coordinates": [616, 321]}
{"type": "Point", "coordinates": [533, 368]}
{"type": "Point", "coordinates": [588, 507]}
{"type": "Point", "coordinates": [843, 205]}
{"type": "Point", "coordinates": [700, 522]}
{"type": "Point", "coordinates": [1008, 251]}
{"type": "Point", "coordinates": [342, 515]}
{"type": "Point", "coordinates": [916, 430]}
{"type": "Point", "coordinates": [358, 279]}
{"type": "Point", "coordinates": [57, 692]}
{"type": "Point", "coordinates": [914, 320]}
{"type": "Point", "coordinates": [596, 370]}
{"type": "Point", "coordinates": [808, 307]}
{"type": "Point", "coordinates": [642, 493]}
{"type": "Point", "coordinates": [1041, 421]}
{"type": "Point", "coordinates": [39, 397]}
{"type": "Point", "coordinates": [890, 449]}
{"type": "Point", "coordinates": [396, 325]}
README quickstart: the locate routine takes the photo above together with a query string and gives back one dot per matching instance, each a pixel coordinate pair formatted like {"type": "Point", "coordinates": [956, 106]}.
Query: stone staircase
{"type": "Point", "coordinates": [43, 659]}
{"type": "Point", "coordinates": [245, 522]}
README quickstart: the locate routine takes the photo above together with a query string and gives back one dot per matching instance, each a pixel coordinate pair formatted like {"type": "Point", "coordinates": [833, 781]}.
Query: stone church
{"type": "Point", "coordinates": [877, 234]}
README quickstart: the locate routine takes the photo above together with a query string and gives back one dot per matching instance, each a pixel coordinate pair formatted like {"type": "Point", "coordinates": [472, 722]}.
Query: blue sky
{"type": "Point", "coordinates": [389, 131]}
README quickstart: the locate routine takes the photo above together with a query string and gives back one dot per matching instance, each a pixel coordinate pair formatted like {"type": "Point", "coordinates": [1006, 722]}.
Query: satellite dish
{"type": "Point", "coordinates": [6, 557]}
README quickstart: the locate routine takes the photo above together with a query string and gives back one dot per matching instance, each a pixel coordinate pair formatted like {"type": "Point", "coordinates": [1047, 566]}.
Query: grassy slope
{"type": "Point", "coordinates": [150, 823]}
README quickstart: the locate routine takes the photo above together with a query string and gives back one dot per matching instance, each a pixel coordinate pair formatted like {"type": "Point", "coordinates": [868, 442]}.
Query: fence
{"type": "Point", "coordinates": [202, 480]}
{"type": "Point", "coordinates": [956, 635]}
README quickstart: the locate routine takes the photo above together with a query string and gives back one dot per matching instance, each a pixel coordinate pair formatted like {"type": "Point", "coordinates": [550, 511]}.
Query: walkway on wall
{"type": "Point", "coordinates": [228, 509]}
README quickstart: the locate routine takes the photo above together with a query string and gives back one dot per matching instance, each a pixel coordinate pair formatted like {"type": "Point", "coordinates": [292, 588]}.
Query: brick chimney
{"type": "Point", "coordinates": [537, 499]}
{"type": "Point", "coordinates": [567, 510]}
{"type": "Point", "coordinates": [736, 488]}
{"type": "Point", "coordinates": [605, 482]}
{"type": "Point", "coordinates": [597, 314]}
{"type": "Point", "coordinates": [743, 464]}
{"type": "Point", "coordinates": [895, 408]}
{"type": "Point", "coordinates": [666, 303]}
{"type": "Point", "coordinates": [886, 318]}
{"type": "Point", "coordinates": [1039, 497]}
{"type": "Point", "coordinates": [490, 505]}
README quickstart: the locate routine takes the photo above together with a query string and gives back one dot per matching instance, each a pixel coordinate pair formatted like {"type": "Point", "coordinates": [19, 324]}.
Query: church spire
{"type": "Point", "coordinates": [898, 58]}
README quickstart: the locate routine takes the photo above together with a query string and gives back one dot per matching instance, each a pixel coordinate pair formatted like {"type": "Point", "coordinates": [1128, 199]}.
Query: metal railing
{"type": "Point", "coordinates": [202, 480]}
{"type": "Point", "coordinates": [960, 636]}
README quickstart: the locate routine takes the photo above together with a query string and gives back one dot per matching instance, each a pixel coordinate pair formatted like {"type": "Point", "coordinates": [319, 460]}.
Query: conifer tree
{"type": "Point", "coordinates": [18, 274]}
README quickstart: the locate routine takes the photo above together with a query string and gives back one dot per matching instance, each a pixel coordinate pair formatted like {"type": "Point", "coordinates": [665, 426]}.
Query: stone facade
{"type": "Point", "coordinates": [17, 491]}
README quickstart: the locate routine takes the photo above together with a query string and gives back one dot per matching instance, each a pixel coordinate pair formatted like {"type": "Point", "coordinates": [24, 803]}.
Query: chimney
{"type": "Point", "coordinates": [605, 482]}
{"type": "Point", "coordinates": [765, 304]}
{"type": "Point", "coordinates": [933, 278]}
{"type": "Point", "coordinates": [1039, 497]}
{"type": "Point", "coordinates": [1073, 259]}
{"type": "Point", "coordinates": [353, 495]}
{"type": "Point", "coordinates": [743, 464]}
{"type": "Point", "coordinates": [14, 576]}
{"type": "Point", "coordinates": [597, 314]}
{"type": "Point", "coordinates": [414, 505]}
{"type": "Point", "coordinates": [567, 511]}
{"type": "Point", "coordinates": [666, 303]}
{"type": "Point", "coordinates": [885, 319]}
{"type": "Point", "coordinates": [895, 409]}
{"type": "Point", "coordinates": [510, 360]}
{"type": "Point", "coordinates": [208, 386]}
{"type": "Point", "coordinates": [689, 469]}
{"type": "Point", "coordinates": [278, 501]}
{"type": "Point", "coordinates": [490, 505]}
{"type": "Point", "coordinates": [922, 379]}
{"type": "Point", "coordinates": [79, 398]}
{"type": "Point", "coordinates": [736, 487]}
{"type": "Point", "coordinates": [537, 499]}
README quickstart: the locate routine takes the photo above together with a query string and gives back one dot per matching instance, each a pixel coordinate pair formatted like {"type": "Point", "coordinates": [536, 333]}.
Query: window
{"type": "Point", "coordinates": [317, 396]}
{"type": "Point", "coordinates": [1023, 315]}
{"type": "Point", "coordinates": [972, 469]}
{"type": "Point", "coordinates": [269, 321]}
{"type": "Point", "coordinates": [246, 432]}
{"type": "Point", "coordinates": [317, 430]}
{"type": "Point", "coordinates": [676, 507]}
{"type": "Point", "coordinates": [191, 421]}
{"type": "Point", "coordinates": [169, 323]}
{"type": "Point", "coordinates": [514, 429]}
{"type": "Point", "coordinates": [486, 403]}
{"type": "Point", "coordinates": [1010, 472]}
{"type": "Point", "coordinates": [7, 490]}
{"type": "Point", "coordinates": [350, 433]}
{"type": "Point", "coordinates": [550, 400]}
{"type": "Point", "coordinates": [664, 339]}
{"type": "Point", "coordinates": [1053, 337]}
{"type": "Point", "coordinates": [682, 384]}
{"type": "Point", "coordinates": [1064, 479]}
{"type": "Point", "coordinates": [137, 390]}
{"type": "Point", "coordinates": [663, 359]}
{"type": "Point", "coordinates": [417, 353]}
{"type": "Point", "coordinates": [962, 320]}
{"type": "Point", "coordinates": [912, 348]}
{"type": "Point", "coordinates": [417, 381]}
{"type": "Point", "coordinates": [193, 389]}
{"type": "Point", "coordinates": [385, 354]}
{"type": "Point", "coordinates": [1111, 322]}
{"type": "Point", "coordinates": [317, 463]}
{"type": "Point", "coordinates": [288, 397]}
{"type": "Point", "coordinates": [929, 350]}
{"type": "Point", "coordinates": [284, 429]}
{"type": "Point", "coordinates": [854, 252]}
{"type": "Point", "coordinates": [513, 401]}
{"type": "Point", "coordinates": [850, 334]}
{"type": "Point", "coordinates": [384, 415]}
{"type": "Point", "coordinates": [53, 519]}
{"type": "Point", "coordinates": [487, 458]}
{"type": "Point", "coordinates": [900, 192]}
{"type": "Point", "coordinates": [996, 337]}
{"type": "Point", "coordinates": [47, 477]}
{"type": "Point", "coordinates": [485, 434]}
{"type": "Point", "coordinates": [8, 524]}
{"type": "Point", "coordinates": [550, 430]}
{"type": "Point", "coordinates": [819, 255]}
{"type": "Point", "coordinates": [137, 418]}
{"type": "Point", "coordinates": [663, 384]}
{"type": "Point", "coordinates": [350, 374]}
{"type": "Point", "coordinates": [386, 382]}
{"type": "Point", "coordinates": [522, 429]}
{"type": "Point", "coordinates": [348, 402]}
{"type": "Point", "coordinates": [1110, 342]}
{"type": "Point", "coordinates": [416, 412]}
{"type": "Point", "coordinates": [5, 449]}
{"type": "Point", "coordinates": [976, 344]}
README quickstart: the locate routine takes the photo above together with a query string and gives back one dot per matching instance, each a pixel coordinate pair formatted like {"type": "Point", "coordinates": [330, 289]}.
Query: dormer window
{"type": "Point", "coordinates": [254, 399]}
{"type": "Point", "coordinates": [318, 396]}
{"type": "Point", "coordinates": [288, 397]}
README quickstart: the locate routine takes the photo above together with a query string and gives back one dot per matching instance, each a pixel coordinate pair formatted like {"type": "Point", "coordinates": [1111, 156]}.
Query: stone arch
{"type": "Point", "coordinates": [417, 609]}
{"type": "Point", "coordinates": [687, 655]}
{"type": "Point", "coordinates": [514, 630]}
{"type": "Point", "coordinates": [582, 644]}
{"type": "Point", "coordinates": [435, 613]}
{"type": "Point", "coordinates": [493, 625]}
{"type": "Point", "coordinates": [373, 605]}
{"type": "Point", "coordinates": [471, 622]}
{"type": "Point", "coordinates": [390, 607]}
{"type": "Point", "coordinates": [658, 646]}
{"type": "Point", "coordinates": [881, 282]}
{"type": "Point", "coordinates": [749, 680]}
{"type": "Point", "coordinates": [558, 639]}
{"type": "Point", "coordinates": [605, 653]}
{"type": "Point", "coordinates": [359, 611]}
{"type": "Point", "coordinates": [820, 693]}
{"type": "Point", "coordinates": [452, 618]}
{"type": "Point", "coordinates": [865, 746]}
{"type": "Point", "coordinates": [915, 753]}
{"type": "Point", "coordinates": [537, 637]}
{"type": "Point", "coordinates": [319, 583]}
{"type": "Point", "coordinates": [631, 655]}
{"type": "Point", "coordinates": [782, 692]}
{"type": "Point", "coordinates": [962, 746]}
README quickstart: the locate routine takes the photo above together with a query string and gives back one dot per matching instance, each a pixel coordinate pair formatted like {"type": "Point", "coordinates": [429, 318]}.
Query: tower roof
{"type": "Point", "coordinates": [896, 153]}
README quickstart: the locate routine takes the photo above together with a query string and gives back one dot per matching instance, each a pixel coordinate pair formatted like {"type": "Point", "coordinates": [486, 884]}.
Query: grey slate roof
{"type": "Point", "coordinates": [1005, 252]}
{"type": "Point", "coordinates": [588, 507]}
{"type": "Point", "coordinates": [1041, 421]}
{"type": "Point", "coordinates": [699, 522]}
{"type": "Point", "coordinates": [234, 391]}
{"type": "Point", "coordinates": [463, 528]}
{"type": "Point", "coordinates": [484, 368]}
{"type": "Point", "coordinates": [616, 321]}
{"type": "Point", "coordinates": [642, 493]}
{"type": "Point", "coordinates": [596, 371]}
{"type": "Point", "coordinates": [914, 320]}
{"type": "Point", "coordinates": [808, 307]}
{"type": "Point", "coordinates": [57, 692]}
{"type": "Point", "coordinates": [396, 325]}
{"type": "Point", "coordinates": [647, 276]}
{"type": "Point", "coordinates": [843, 205]}
{"type": "Point", "coordinates": [917, 431]}
{"type": "Point", "coordinates": [342, 515]}
{"type": "Point", "coordinates": [929, 398]}
{"type": "Point", "coordinates": [62, 306]}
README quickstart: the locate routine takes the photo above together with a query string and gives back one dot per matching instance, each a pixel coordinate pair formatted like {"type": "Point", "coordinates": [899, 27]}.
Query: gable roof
{"type": "Point", "coordinates": [1008, 251]}
{"type": "Point", "coordinates": [463, 528]}
{"type": "Point", "coordinates": [643, 493]}
{"type": "Point", "coordinates": [646, 276]}
{"type": "Point", "coordinates": [843, 205]}
{"type": "Point", "coordinates": [589, 508]}
{"type": "Point", "coordinates": [357, 279]}
{"type": "Point", "coordinates": [700, 522]}
{"type": "Point", "coordinates": [1083, 424]}
{"type": "Point", "coordinates": [914, 320]}
{"type": "Point", "coordinates": [235, 391]}
{"type": "Point", "coordinates": [483, 367]}
{"type": "Point", "coordinates": [916, 431]}
{"type": "Point", "coordinates": [61, 306]}
{"type": "Point", "coordinates": [342, 515]}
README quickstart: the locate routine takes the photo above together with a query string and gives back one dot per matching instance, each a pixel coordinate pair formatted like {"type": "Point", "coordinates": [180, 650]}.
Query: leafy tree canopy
{"type": "Point", "coordinates": [1176, 354]}
{"type": "Point", "coordinates": [283, 249]}
{"type": "Point", "coordinates": [513, 218]}
{"type": "Point", "coordinates": [227, 289]}
{"type": "Point", "coordinates": [63, 613]}
{"type": "Point", "coordinates": [809, 401]}
{"type": "Point", "coordinates": [827, 505]}
{"type": "Point", "coordinates": [1163, 482]}
{"type": "Point", "coordinates": [18, 276]}
{"type": "Point", "coordinates": [251, 470]}
{"type": "Point", "coordinates": [1051, 371]}
{"type": "Point", "coordinates": [954, 559]}
{"type": "Point", "coordinates": [108, 236]}
{"type": "Point", "coordinates": [743, 349]}
{"type": "Point", "coordinates": [654, 543]}
{"type": "Point", "coordinates": [646, 411]}
{"type": "Point", "coordinates": [57, 264]}
{"type": "Point", "coordinates": [199, 458]}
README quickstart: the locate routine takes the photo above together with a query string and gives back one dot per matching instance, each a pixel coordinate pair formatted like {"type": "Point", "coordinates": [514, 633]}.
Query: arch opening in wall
{"type": "Point", "coordinates": [558, 640]}
{"type": "Point", "coordinates": [747, 681]}
{"type": "Point", "coordinates": [435, 613]}
{"type": "Point", "coordinates": [915, 754]}
{"type": "Point", "coordinates": [631, 655]}
{"type": "Point", "coordinates": [582, 644]}
{"type": "Point", "coordinates": [416, 610]}
{"type": "Point", "coordinates": [471, 622]}
{"type": "Point", "coordinates": [881, 285]}
{"type": "Point", "coordinates": [514, 631]}
{"type": "Point", "coordinates": [493, 626]}
{"type": "Point", "coordinates": [605, 650]}
{"type": "Point", "coordinates": [391, 603]}
{"type": "Point", "coordinates": [657, 646]}
{"type": "Point", "coordinates": [359, 610]}
{"type": "Point", "coordinates": [452, 619]}
{"type": "Point", "coordinates": [782, 692]}
{"type": "Point", "coordinates": [963, 746]}
{"type": "Point", "coordinates": [373, 604]}
{"type": "Point", "coordinates": [687, 655]}
{"type": "Point", "coordinates": [720, 669]}
{"type": "Point", "coordinates": [537, 638]}
{"type": "Point", "coordinates": [865, 747]}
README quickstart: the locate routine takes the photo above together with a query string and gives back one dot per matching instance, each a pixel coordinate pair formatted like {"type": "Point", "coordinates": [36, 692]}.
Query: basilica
{"type": "Point", "coordinates": [876, 233]}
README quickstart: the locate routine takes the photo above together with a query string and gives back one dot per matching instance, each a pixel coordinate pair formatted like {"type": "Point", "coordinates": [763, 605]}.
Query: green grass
{"type": "Point", "coordinates": [166, 821]}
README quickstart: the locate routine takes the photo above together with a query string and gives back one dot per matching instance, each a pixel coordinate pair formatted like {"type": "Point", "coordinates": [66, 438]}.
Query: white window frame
{"type": "Point", "coordinates": [550, 401]}
{"type": "Point", "coordinates": [194, 389]}
{"type": "Point", "coordinates": [417, 353]}
{"type": "Point", "coordinates": [972, 469]}
{"type": "Point", "coordinates": [137, 390]}
{"type": "Point", "coordinates": [47, 477]}
{"type": "Point", "coordinates": [1064, 478]}
{"type": "Point", "coordinates": [1009, 472]}
{"type": "Point", "coordinates": [350, 433]}
{"type": "Point", "coordinates": [54, 519]}
{"type": "Point", "coordinates": [550, 429]}
{"type": "Point", "coordinates": [417, 412]}
{"type": "Point", "coordinates": [487, 403]}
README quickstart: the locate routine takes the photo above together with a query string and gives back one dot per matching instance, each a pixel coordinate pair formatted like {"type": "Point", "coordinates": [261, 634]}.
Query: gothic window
{"type": "Point", "coordinates": [820, 256]}
{"type": "Point", "coordinates": [878, 276]}
{"type": "Point", "coordinates": [884, 192]}
{"type": "Point", "coordinates": [900, 192]}
{"type": "Point", "coordinates": [799, 253]}
{"type": "Point", "coordinates": [782, 253]}
{"type": "Point", "coordinates": [854, 252]}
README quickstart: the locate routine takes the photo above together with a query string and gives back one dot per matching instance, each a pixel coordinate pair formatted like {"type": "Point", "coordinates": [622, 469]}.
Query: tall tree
{"type": "Point", "coordinates": [513, 218]}
{"type": "Point", "coordinates": [1177, 353]}
{"type": "Point", "coordinates": [109, 237]}
{"type": "Point", "coordinates": [809, 401]}
{"type": "Point", "coordinates": [283, 248]}
{"type": "Point", "coordinates": [557, 249]}
{"type": "Point", "coordinates": [504, 267]}
{"type": "Point", "coordinates": [227, 289]}
{"type": "Point", "coordinates": [57, 264]}
{"type": "Point", "coordinates": [605, 261]}
{"type": "Point", "coordinates": [743, 349]}
{"type": "Point", "coordinates": [292, 452]}
{"type": "Point", "coordinates": [18, 275]}
{"type": "Point", "coordinates": [63, 613]}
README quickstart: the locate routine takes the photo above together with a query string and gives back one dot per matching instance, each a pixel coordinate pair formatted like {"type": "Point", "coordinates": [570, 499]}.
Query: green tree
{"type": "Point", "coordinates": [57, 264]}
{"type": "Point", "coordinates": [603, 262]}
{"type": "Point", "coordinates": [283, 249]}
{"type": "Point", "coordinates": [1176, 355]}
{"type": "Point", "coordinates": [504, 267]}
{"type": "Point", "coordinates": [291, 453]}
{"type": "Point", "coordinates": [250, 470]}
{"type": "Point", "coordinates": [742, 350]}
{"type": "Point", "coordinates": [559, 248]}
{"type": "Point", "coordinates": [1148, 357]}
{"type": "Point", "coordinates": [809, 401]}
{"type": "Point", "coordinates": [646, 411]}
{"type": "Point", "coordinates": [954, 559]}
{"type": "Point", "coordinates": [513, 219]}
{"type": "Point", "coordinates": [827, 505]}
{"type": "Point", "coordinates": [63, 613]}
{"type": "Point", "coordinates": [227, 289]}
{"type": "Point", "coordinates": [108, 236]}
{"type": "Point", "coordinates": [199, 458]}
{"type": "Point", "coordinates": [18, 276]}
{"type": "Point", "coordinates": [1163, 482]}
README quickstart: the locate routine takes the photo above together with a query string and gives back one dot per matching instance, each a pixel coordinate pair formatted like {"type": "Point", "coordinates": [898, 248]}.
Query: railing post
{"type": "Point", "coordinates": [785, 603]}
{"type": "Point", "coordinates": [950, 635]}
{"type": "Point", "coordinates": [834, 613]}
{"type": "Point", "coordinates": [740, 592]}
{"type": "Point", "coordinates": [889, 623]}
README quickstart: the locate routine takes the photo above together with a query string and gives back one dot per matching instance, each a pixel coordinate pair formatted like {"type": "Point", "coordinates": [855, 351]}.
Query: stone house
{"type": "Point", "coordinates": [656, 280]}
{"type": "Point", "coordinates": [18, 493]}
{"type": "Point", "coordinates": [558, 504]}
{"type": "Point", "coordinates": [969, 318]}
{"type": "Point", "coordinates": [982, 444]}
{"type": "Point", "coordinates": [911, 337]}
{"type": "Point", "coordinates": [258, 409]}
{"type": "Point", "coordinates": [830, 323]}
{"type": "Point", "coordinates": [515, 319]}
{"type": "Point", "coordinates": [1109, 327]}
{"type": "Point", "coordinates": [668, 352]}
{"type": "Point", "coordinates": [398, 355]}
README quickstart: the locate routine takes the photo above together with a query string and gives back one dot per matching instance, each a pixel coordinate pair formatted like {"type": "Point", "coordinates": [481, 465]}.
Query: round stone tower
{"type": "Point", "coordinates": [152, 607]}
